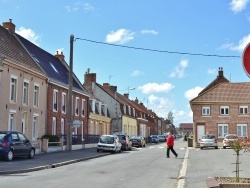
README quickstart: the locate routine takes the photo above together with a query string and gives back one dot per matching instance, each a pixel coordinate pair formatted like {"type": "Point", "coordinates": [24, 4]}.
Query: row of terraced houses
{"type": "Point", "coordinates": [34, 97]}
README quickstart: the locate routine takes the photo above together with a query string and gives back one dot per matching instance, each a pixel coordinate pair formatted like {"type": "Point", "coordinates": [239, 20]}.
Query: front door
{"type": "Point", "coordinates": [200, 132]}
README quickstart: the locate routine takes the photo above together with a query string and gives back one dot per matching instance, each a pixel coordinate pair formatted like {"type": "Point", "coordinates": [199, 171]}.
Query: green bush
{"type": "Point", "coordinates": [51, 138]}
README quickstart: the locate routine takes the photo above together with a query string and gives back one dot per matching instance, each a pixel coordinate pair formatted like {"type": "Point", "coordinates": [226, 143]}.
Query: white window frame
{"type": "Point", "coordinates": [25, 98]}
{"type": "Point", "coordinates": [206, 111]}
{"type": "Point", "coordinates": [77, 106]}
{"type": "Point", "coordinates": [12, 120]}
{"type": "Point", "coordinates": [83, 108]}
{"type": "Point", "coordinates": [124, 109]}
{"type": "Point", "coordinates": [243, 110]}
{"type": "Point", "coordinates": [55, 100]}
{"type": "Point", "coordinates": [24, 121]}
{"type": "Point", "coordinates": [54, 126]}
{"type": "Point", "coordinates": [129, 110]}
{"type": "Point", "coordinates": [13, 89]}
{"type": "Point", "coordinates": [62, 126]}
{"type": "Point", "coordinates": [64, 103]}
{"type": "Point", "coordinates": [242, 130]}
{"type": "Point", "coordinates": [36, 95]}
{"type": "Point", "coordinates": [224, 110]}
{"type": "Point", "coordinates": [222, 130]}
{"type": "Point", "coordinates": [34, 126]}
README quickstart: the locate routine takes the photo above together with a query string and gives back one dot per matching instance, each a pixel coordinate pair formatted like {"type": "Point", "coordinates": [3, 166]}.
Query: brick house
{"type": "Point", "coordinates": [186, 128]}
{"type": "Point", "coordinates": [222, 108]}
{"type": "Point", "coordinates": [23, 87]}
{"type": "Point", "coordinates": [56, 88]}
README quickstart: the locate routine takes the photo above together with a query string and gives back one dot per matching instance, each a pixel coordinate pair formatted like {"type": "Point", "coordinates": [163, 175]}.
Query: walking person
{"type": "Point", "coordinates": [170, 145]}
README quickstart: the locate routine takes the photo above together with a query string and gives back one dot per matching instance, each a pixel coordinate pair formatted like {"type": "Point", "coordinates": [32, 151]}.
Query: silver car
{"type": "Point", "coordinates": [208, 141]}
{"type": "Point", "coordinates": [109, 143]}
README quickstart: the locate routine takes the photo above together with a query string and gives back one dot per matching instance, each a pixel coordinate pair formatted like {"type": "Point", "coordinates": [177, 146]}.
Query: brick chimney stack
{"type": "Point", "coordinates": [113, 88]}
{"type": "Point", "coordinates": [106, 85]}
{"type": "Point", "coordinates": [9, 25]}
{"type": "Point", "coordinates": [59, 55]}
{"type": "Point", "coordinates": [126, 95]}
{"type": "Point", "coordinates": [220, 73]}
{"type": "Point", "coordinates": [136, 101]}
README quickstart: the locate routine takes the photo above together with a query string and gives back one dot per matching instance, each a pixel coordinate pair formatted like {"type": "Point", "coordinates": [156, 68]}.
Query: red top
{"type": "Point", "coordinates": [170, 140]}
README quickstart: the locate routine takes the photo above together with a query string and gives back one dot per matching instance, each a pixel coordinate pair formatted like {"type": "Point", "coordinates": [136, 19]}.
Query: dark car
{"type": "Point", "coordinates": [125, 141]}
{"type": "Point", "coordinates": [138, 141]}
{"type": "Point", "coordinates": [15, 144]}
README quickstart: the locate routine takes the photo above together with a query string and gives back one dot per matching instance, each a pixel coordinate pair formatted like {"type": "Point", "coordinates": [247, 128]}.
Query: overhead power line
{"type": "Point", "coordinates": [161, 51]}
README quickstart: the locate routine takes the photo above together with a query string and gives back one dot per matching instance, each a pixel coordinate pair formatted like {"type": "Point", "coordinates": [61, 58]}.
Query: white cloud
{"type": "Point", "coordinates": [238, 5]}
{"type": "Point", "coordinates": [156, 88]}
{"type": "Point", "coordinates": [182, 117]}
{"type": "Point", "coordinates": [211, 71]}
{"type": "Point", "coordinates": [192, 93]}
{"type": "Point", "coordinates": [120, 36]}
{"type": "Point", "coordinates": [149, 32]}
{"type": "Point", "coordinates": [240, 46]}
{"type": "Point", "coordinates": [136, 73]}
{"type": "Point", "coordinates": [78, 6]}
{"type": "Point", "coordinates": [29, 34]}
{"type": "Point", "coordinates": [179, 70]}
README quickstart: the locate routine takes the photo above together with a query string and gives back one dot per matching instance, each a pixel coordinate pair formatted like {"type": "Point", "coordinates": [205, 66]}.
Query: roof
{"type": "Point", "coordinates": [226, 92]}
{"type": "Point", "coordinates": [11, 49]}
{"type": "Point", "coordinates": [54, 68]}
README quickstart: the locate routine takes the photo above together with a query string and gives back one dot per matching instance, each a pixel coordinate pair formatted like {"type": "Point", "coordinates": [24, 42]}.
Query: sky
{"type": "Point", "coordinates": [167, 50]}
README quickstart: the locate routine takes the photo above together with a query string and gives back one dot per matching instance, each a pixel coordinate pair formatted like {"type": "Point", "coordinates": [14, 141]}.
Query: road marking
{"type": "Point", "coordinates": [181, 178]}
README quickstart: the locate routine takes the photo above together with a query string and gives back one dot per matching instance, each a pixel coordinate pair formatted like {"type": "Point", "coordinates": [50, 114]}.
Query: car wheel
{"type": "Point", "coordinates": [9, 156]}
{"type": "Point", "coordinates": [216, 147]}
{"type": "Point", "coordinates": [98, 150]}
{"type": "Point", "coordinates": [224, 147]}
{"type": "Point", "coordinates": [31, 154]}
{"type": "Point", "coordinates": [201, 148]}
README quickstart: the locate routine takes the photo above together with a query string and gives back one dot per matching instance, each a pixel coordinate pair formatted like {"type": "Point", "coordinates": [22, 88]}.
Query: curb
{"type": "Point", "coordinates": [51, 165]}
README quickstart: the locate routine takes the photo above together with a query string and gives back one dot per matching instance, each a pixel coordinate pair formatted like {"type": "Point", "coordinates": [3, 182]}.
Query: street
{"type": "Point", "coordinates": [141, 167]}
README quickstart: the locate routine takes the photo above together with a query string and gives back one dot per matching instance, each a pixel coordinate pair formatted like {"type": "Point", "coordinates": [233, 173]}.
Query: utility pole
{"type": "Point", "coordinates": [69, 111]}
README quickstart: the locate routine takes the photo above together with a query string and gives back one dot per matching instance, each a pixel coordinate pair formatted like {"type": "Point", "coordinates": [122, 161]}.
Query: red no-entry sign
{"type": "Point", "coordinates": [246, 59]}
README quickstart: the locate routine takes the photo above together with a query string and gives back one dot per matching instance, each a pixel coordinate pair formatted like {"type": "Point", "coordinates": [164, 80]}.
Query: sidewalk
{"type": "Point", "coordinates": [48, 160]}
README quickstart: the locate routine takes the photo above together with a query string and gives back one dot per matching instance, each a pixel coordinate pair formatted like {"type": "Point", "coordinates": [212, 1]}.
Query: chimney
{"type": "Point", "coordinates": [136, 101]}
{"type": "Point", "coordinates": [126, 95]}
{"type": "Point", "coordinates": [89, 78]}
{"type": "Point", "coordinates": [106, 85]}
{"type": "Point", "coordinates": [220, 73]}
{"type": "Point", "coordinates": [113, 88]}
{"type": "Point", "coordinates": [9, 26]}
{"type": "Point", "coordinates": [59, 55]}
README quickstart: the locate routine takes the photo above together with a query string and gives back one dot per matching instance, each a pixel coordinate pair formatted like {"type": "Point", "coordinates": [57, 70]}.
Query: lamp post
{"type": "Point", "coordinates": [69, 112]}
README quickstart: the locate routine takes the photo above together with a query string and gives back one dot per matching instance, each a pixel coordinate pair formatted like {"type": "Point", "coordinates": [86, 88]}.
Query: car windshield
{"type": "Point", "coordinates": [154, 136]}
{"type": "Point", "coordinates": [135, 137]}
{"type": "Point", "coordinates": [122, 137]}
{"type": "Point", "coordinates": [208, 137]}
{"type": "Point", "coordinates": [231, 137]}
{"type": "Point", "coordinates": [2, 136]}
{"type": "Point", "coordinates": [107, 139]}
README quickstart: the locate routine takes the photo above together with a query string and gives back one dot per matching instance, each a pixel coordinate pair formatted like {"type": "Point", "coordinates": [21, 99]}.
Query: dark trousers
{"type": "Point", "coordinates": [172, 149]}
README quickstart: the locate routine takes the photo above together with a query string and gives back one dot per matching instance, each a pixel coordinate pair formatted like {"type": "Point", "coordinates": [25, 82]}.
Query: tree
{"type": "Point", "coordinates": [238, 145]}
{"type": "Point", "coordinates": [170, 117]}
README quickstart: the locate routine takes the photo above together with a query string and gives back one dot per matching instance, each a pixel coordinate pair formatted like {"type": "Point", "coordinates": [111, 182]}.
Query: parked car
{"type": "Point", "coordinates": [138, 141]}
{"type": "Point", "coordinates": [162, 138]}
{"type": "Point", "coordinates": [15, 144]}
{"type": "Point", "coordinates": [208, 141]}
{"type": "Point", "coordinates": [125, 141]}
{"type": "Point", "coordinates": [109, 143]}
{"type": "Point", "coordinates": [229, 138]}
{"type": "Point", "coordinates": [154, 139]}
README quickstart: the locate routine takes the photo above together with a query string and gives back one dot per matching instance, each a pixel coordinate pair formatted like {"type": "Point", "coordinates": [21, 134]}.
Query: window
{"type": "Point", "coordinates": [64, 103]}
{"type": "Point", "coordinates": [104, 109]}
{"type": "Point", "coordinates": [36, 95]}
{"type": "Point", "coordinates": [24, 121]}
{"type": "Point", "coordinates": [25, 92]}
{"type": "Point", "coordinates": [242, 130]}
{"type": "Point", "coordinates": [11, 126]}
{"type": "Point", "coordinates": [83, 106]}
{"type": "Point", "coordinates": [54, 126]}
{"type": "Point", "coordinates": [129, 110]}
{"type": "Point", "coordinates": [243, 110]}
{"type": "Point", "coordinates": [134, 112]}
{"type": "Point", "coordinates": [62, 126]}
{"type": "Point", "coordinates": [13, 89]}
{"type": "Point", "coordinates": [124, 109]}
{"type": "Point", "coordinates": [34, 127]}
{"type": "Point", "coordinates": [222, 130]}
{"type": "Point", "coordinates": [55, 100]}
{"type": "Point", "coordinates": [206, 111]}
{"type": "Point", "coordinates": [77, 106]}
{"type": "Point", "coordinates": [224, 110]}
